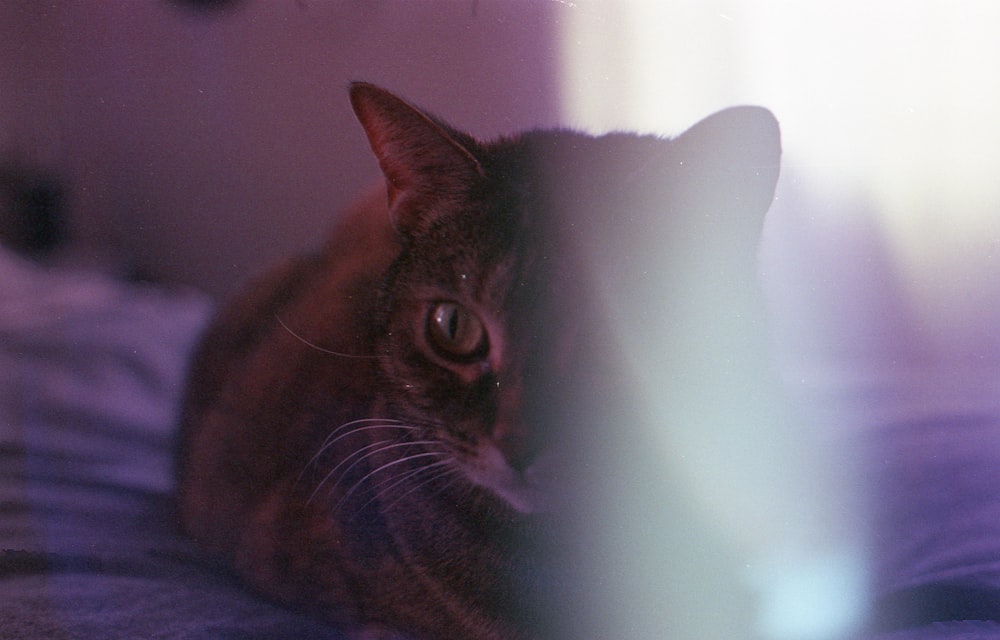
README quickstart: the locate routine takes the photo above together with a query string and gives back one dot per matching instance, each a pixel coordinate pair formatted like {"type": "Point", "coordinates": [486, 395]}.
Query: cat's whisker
{"type": "Point", "coordinates": [332, 439]}
{"type": "Point", "coordinates": [364, 479]}
{"type": "Point", "coordinates": [388, 485]}
{"type": "Point", "coordinates": [338, 434]}
{"type": "Point", "coordinates": [355, 459]}
{"type": "Point", "coordinates": [352, 423]}
{"type": "Point", "coordinates": [449, 469]}
{"type": "Point", "coordinates": [373, 450]}
{"type": "Point", "coordinates": [319, 348]}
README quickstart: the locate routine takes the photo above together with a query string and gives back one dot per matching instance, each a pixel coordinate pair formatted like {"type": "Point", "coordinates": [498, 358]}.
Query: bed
{"type": "Point", "coordinates": [91, 370]}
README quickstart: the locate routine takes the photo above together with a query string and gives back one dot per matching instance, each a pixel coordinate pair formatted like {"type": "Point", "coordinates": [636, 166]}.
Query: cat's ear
{"type": "Point", "coordinates": [426, 165]}
{"type": "Point", "coordinates": [732, 157]}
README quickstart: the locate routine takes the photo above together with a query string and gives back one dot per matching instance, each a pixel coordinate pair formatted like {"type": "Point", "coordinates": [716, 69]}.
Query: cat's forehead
{"type": "Point", "coordinates": [517, 275]}
{"type": "Point", "coordinates": [561, 154]}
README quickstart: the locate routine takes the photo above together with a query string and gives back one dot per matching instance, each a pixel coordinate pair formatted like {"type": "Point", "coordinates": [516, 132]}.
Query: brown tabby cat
{"type": "Point", "coordinates": [373, 432]}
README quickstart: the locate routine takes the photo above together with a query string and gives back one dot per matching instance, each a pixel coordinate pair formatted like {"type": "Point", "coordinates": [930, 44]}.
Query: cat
{"type": "Point", "coordinates": [377, 432]}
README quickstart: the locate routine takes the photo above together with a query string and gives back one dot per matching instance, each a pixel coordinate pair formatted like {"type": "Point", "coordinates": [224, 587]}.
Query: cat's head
{"type": "Point", "coordinates": [493, 335]}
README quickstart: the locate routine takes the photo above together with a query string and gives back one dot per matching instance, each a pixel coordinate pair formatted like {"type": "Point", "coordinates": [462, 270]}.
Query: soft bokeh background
{"type": "Point", "coordinates": [200, 145]}
{"type": "Point", "coordinates": [197, 146]}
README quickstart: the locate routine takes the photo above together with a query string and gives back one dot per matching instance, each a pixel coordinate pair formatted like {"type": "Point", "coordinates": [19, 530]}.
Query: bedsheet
{"type": "Point", "coordinates": [90, 376]}
{"type": "Point", "coordinates": [91, 371]}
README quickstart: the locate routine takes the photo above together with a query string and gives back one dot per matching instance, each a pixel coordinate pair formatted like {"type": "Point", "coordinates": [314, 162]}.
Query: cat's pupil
{"type": "Point", "coordinates": [455, 332]}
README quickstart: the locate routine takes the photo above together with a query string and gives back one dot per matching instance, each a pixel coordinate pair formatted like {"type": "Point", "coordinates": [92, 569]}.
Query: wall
{"type": "Point", "coordinates": [199, 146]}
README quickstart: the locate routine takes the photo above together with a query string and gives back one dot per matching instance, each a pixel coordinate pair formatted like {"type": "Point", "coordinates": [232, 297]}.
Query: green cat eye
{"type": "Point", "coordinates": [456, 332]}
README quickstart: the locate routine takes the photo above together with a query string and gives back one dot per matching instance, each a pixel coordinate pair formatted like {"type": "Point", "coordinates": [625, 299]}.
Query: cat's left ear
{"type": "Point", "coordinates": [426, 165]}
{"type": "Point", "coordinates": [733, 157]}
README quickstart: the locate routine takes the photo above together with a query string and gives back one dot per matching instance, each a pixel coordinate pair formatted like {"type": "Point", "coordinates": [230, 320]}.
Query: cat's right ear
{"type": "Point", "coordinates": [426, 166]}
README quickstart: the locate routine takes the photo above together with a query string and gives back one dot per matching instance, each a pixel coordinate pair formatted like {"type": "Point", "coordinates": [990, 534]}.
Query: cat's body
{"type": "Point", "coordinates": [259, 513]}
{"type": "Point", "coordinates": [370, 432]}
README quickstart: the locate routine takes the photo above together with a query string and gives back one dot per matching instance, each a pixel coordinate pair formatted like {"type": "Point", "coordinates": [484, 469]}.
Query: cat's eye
{"type": "Point", "coordinates": [455, 332]}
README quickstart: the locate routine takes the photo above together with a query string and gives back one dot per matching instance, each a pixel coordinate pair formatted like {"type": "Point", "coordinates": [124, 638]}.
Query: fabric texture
{"type": "Point", "coordinates": [91, 371]}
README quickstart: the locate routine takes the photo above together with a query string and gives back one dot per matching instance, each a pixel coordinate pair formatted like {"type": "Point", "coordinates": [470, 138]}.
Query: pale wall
{"type": "Point", "coordinates": [200, 147]}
